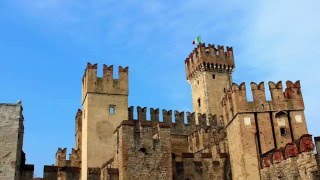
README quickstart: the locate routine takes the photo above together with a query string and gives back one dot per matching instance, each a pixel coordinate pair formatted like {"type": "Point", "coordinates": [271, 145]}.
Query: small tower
{"type": "Point", "coordinates": [104, 107]}
{"type": "Point", "coordinates": [209, 71]}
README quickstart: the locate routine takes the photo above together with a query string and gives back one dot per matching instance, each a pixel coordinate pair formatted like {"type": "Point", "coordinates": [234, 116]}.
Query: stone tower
{"type": "Point", "coordinates": [104, 107]}
{"type": "Point", "coordinates": [209, 71]}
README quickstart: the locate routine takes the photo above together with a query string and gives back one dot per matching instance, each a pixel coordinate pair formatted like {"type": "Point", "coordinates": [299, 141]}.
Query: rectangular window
{"type": "Point", "coordinates": [283, 131]}
{"type": "Point", "coordinates": [112, 109]}
{"type": "Point", "coordinates": [199, 102]}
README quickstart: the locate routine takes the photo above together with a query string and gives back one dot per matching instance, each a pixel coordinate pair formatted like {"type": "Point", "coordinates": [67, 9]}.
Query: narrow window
{"type": "Point", "coordinates": [283, 131]}
{"type": "Point", "coordinates": [112, 109]}
{"type": "Point", "coordinates": [117, 141]}
{"type": "Point", "coordinates": [199, 102]}
{"type": "Point", "coordinates": [213, 76]}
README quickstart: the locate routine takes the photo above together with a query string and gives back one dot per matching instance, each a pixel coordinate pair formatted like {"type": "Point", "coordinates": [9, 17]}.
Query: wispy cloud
{"type": "Point", "coordinates": [283, 39]}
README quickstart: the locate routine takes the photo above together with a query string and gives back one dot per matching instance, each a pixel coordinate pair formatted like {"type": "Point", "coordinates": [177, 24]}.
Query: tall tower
{"type": "Point", "coordinates": [104, 107]}
{"type": "Point", "coordinates": [209, 71]}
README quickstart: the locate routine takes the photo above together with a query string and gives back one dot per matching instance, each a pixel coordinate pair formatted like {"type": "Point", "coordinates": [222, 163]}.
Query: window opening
{"type": "Point", "coordinates": [112, 109]}
{"type": "Point", "coordinates": [283, 131]}
{"type": "Point", "coordinates": [199, 102]}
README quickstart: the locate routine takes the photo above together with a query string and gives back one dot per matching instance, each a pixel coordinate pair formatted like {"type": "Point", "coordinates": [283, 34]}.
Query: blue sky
{"type": "Point", "coordinates": [45, 45]}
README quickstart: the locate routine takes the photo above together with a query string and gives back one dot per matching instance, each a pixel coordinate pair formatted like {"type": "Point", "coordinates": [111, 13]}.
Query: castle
{"type": "Point", "coordinates": [226, 137]}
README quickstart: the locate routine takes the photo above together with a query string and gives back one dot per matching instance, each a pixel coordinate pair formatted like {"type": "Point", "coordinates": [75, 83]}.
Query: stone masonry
{"type": "Point", "coordinates": [12, 158]}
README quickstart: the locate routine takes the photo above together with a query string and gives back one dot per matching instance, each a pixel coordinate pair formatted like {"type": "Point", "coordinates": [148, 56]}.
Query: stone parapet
{"type": "Point", "coordinates": [209, 58]}
{"type": "Point", "coordinates": [106, 84]}
{"type": "Point", "coordinates": [176, 120]}
{"type": "Point", "coordinates": [235, 100]}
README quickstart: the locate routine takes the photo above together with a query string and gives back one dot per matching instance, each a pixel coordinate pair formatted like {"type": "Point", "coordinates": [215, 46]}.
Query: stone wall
{"type": "Point", "coordinates": [12, 158]}
{"type": "Point", "coordinates": [26, 172]}
{"type": "Point", "coordinates": [199, 166]}
{"type": "Point", "coordinates": [50, 172]}
{"type": "Point", "coordinates": [61, 173]}
{"type": "Point", "coordinates": [109, 173]}
{"type": "Point", "coordinates": [144, 150]}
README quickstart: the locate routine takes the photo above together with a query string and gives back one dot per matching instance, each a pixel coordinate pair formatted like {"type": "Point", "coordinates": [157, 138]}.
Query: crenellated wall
{"type": "Point", "coordinates": [61, 157]}
{"type": "Point", "coordinates": [175, 119]}
{"type": "Point", "coordinates": [74, 158]}
{"type": "Point", "coordinates": [61, 173]}
{"type": "Point", "coordinates": [202, 139]}
{"type": "Point", "coordinates": [144, 150]}
{"type": "Point", "coordinates": [294, 161]}
{"type": "Point", "coordinates": [50, 172]}
{"type": "Point", "coordinates": [263, 125]}
{"type": "Point", "coordinates": [235, 99]}
{"type": "Point", "coordinates": [64, 168]}
{"type": "Point", "coordinates": [106, 84]}
{"type": "Point", "coordinates": [199, 166]}
{"type": "Point", "coordinates": [26, 172]}
{"type": "Point", "coordinates": [209, 58]}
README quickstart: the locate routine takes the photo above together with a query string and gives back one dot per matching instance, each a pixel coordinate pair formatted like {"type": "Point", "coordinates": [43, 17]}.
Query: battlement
{"type": "Point", "coordinates": [61, 157]}
{"type": "Point", "coordinates": [175, 119]}
{"type": "Point", "coordinates": [145, 142]}
{"type": "Point", "coordinates": [78, 119]}
{"type": "Point", "coordinates": [204, 138]}
{"type": "Point", "coordinates": [74, 158]}
{"type": "Point", "coordinates": [294, 161]}
{"type": "Point", "coordinates": [301, 145]}
{"type": "Point", "coordinates": [209, 58]}
{"type": "Point", "coordinates": [91, 83]}
{"type": "Point", "coordinates": [200, 165]}
{"type": "Point", "coordinates": [235, 100]}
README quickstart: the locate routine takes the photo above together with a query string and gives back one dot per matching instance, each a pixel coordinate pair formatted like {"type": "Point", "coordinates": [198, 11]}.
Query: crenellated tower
{"type": "Point", "coordinates": [260, 126]}
{"type": "Point", "coordinates": [104, 107]}
{"type": "Point", "coordinates": [209, 71]}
